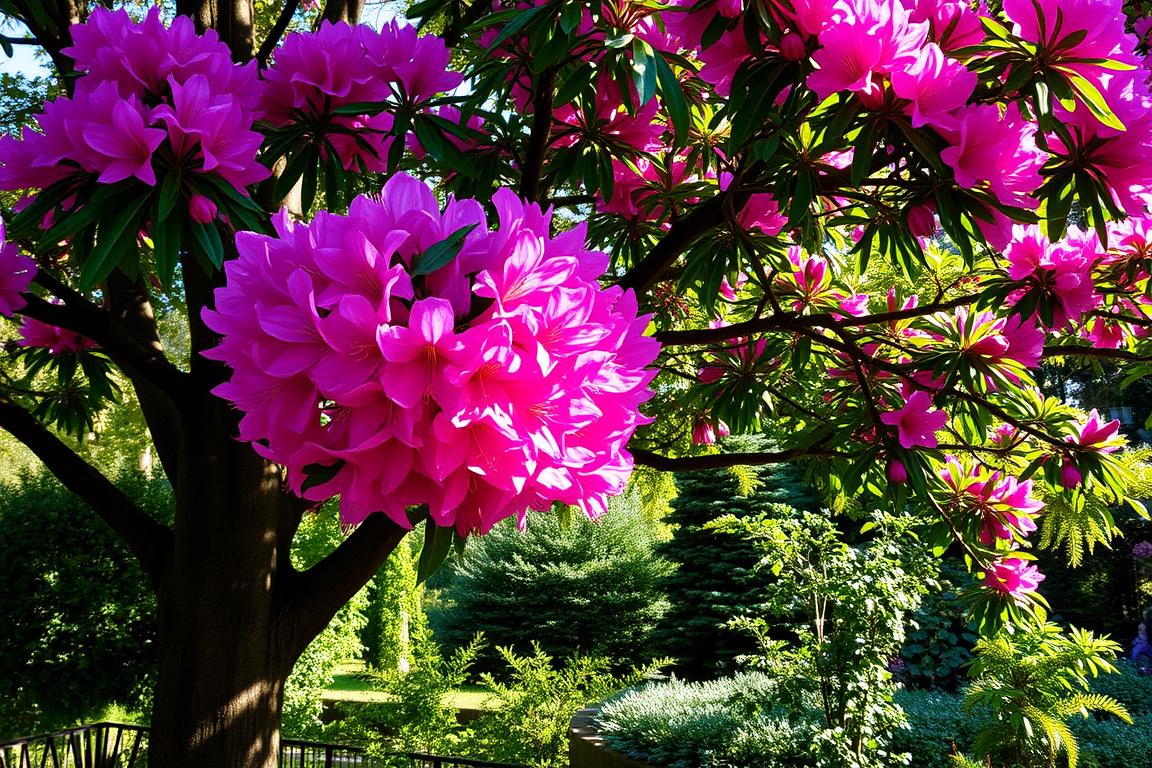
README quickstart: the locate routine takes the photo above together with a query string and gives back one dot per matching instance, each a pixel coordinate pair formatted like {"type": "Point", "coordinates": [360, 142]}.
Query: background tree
{"type": "Point", "coordinates": [570, 588]}
{"type": "Point", "coordinates": [715, 580]}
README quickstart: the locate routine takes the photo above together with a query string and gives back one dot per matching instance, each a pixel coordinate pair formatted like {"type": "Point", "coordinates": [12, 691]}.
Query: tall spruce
{"type": "Point", "coordinates": [714, 582]}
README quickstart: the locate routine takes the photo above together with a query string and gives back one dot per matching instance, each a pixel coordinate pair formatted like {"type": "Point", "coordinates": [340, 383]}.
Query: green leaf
{"type": "Point", "coordinates": [165, 244]}
{"type": "Point", "coordinates": [518, 22]}
{"type": "Point", "coordinates": [169, 194]}
{"type": "Point", "coordinates": [114, 236]}
{"type": "Point", "coordinates": [439, 254]}
{"type": "Point", "coordinates": [437, 545]}
{"type": "Point", "coordinates": [673, 97]}
{"type": "Point", "coordinates": [643, 71]}
{"type": "Point", "coordinates": [208, 238]}
{"type": "Point", "coordinates": [294, 170]}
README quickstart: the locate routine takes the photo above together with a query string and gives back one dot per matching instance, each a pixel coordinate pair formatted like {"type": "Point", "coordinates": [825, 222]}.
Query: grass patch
{"type": "Point", "coordinates": [351, 684]}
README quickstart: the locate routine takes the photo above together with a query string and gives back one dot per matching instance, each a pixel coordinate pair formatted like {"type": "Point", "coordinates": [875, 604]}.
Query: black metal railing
{"type": "Point", "coordinates": [116, 745]}
{"type": "Point", "coordinates": [421, 760]}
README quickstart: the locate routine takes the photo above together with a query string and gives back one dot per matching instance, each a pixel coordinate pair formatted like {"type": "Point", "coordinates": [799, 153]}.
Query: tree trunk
{"type": "Point", "coordinates": [225, 641]}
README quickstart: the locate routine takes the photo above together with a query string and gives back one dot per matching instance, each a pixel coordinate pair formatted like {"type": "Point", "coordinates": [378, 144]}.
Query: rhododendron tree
{"type": "Point", "coordinates": [453, 278]}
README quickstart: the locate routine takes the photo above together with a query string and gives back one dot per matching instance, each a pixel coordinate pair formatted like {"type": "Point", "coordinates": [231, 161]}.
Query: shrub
{"type": "Point", "coordinates": [533, 710]}
{"type": "Point", "coordinates": [937, 726]}
{"type": "Point", "coordinates": [1113, 744]}
{"type": "Point", "coordinates": [76, 609]}
{"type": "Point", "coordinates": [726, 722]}
{"type": "Point", "coordinates": [1128, 687]}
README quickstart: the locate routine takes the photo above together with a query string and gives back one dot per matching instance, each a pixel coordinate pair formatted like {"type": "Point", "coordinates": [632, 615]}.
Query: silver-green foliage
{"type": "Point", "coordinates": [733, 721]}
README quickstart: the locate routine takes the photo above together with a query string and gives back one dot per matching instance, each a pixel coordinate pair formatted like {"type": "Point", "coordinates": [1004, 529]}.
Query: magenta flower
{"type": "Point", "coordinates": [16, 273]}
{"type": "Point", "coordinates": [1013, 577]}
{"type": "Point", "coordinates": [866, 39]}
{"type": "Point", "coordinates": [1096, 434]}
{"type": "Point", "coordinates": [57, 341]}
{"type": "Point", "coordinates": [917, 422]}
{"type": "Point", "coordinates": [502, 381]}
{"type": "Point", "coordinates": [1058, 275]}
{"type": "Point", "coordinates": [936, 86]}
{"type": "Point", "coordinates": [995, 150]}
{"type": "Point", "coordinates": [201, 210]}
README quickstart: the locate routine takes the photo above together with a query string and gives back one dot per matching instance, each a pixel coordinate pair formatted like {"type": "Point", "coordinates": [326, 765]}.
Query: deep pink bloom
{"type": "Point", "coordinates": [57, 341]}
{"type": "Point", "coordinates": [16, 273]}
{"type": "Point", "coordinates": [866, 38]}
{"type": "Point", "coordinates": [1058, 274]}
{"type": "Point", "coordinates": [505, 380]}
{"type": "Point", "coordinates": [937, 87]}
{"type": "Point", "coordinates": [897, 472]}
{"type": "Point", "coordinates": [1013, 577]}
{"type": "Point", "coordinates": [1096, 434]}
{"type": "Point", "coordinates": [917, 422]}
{"type": "Point", "coordinates": [995, 150]}
{"type": "Point", "coordinates": [792, 47]}
{"type": "Point", "coordinates": [703, 433]}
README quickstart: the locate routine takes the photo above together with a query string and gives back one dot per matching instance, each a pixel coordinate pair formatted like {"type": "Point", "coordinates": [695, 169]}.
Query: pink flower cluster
{"type": "Point", "coordinates": [917, 422]}
{"type": "Point", "coordinates": [16, 273]}
{"type": "Point", "coordinates": [1003, 506]}
{"type": "Point", "coordinates": [502, 381]}
{"type": "Point", "coordinates": [316, 73]}
{"type": "Point", "coordinates": [57, 341]}
{"type": "Point", "coordinates": [151, 99]}
{"type": "Point", "coordinates": [1092, 435]}
{"type": "Point", "coordinates": [1054, 275]}
{"type": "Point", "coordinates": [1013, 577]}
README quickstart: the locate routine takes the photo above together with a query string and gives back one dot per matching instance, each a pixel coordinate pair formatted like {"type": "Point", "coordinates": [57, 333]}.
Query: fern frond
{"type": "Point", "coordinates": [1056, 732]}
{"type": "Point", "coordinates": [1076, 522]}
{"type": "Point", "coordinates": [1084, 703]}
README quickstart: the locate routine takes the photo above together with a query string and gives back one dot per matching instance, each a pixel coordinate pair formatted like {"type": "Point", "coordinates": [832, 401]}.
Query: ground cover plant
{"type": "Point", "coordinates": [595, 234]}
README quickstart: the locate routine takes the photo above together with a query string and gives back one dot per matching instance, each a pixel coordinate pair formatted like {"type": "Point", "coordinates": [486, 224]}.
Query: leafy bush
{"type": "Point", "coordinates": [529, 721]}
{"type": "Point", "coordinates": [1128, 687]}
{"type": "Point", "coordinates": [416, 718]}
{"type": "Point", "coordinates": [585, 588]}
{"type": "Point", "coordinates": [714, 581]}
{"type": "Point", "coordinates": [937, 726]}
{"type": "Point", "coordinates": [77, 611]}
{"type": "Point", "coordinates": [1033, 681]}
{"type": "Point", "coordinates": [727, 722]}
{"type": "Point", "coordinates": [939, 639]}
{"type": "Point", "coordinates": [1114, 744]}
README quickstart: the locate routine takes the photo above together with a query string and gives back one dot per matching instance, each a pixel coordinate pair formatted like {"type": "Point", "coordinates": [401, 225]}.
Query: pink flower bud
{"type": "Point", "coordinates": [722, 428]}
{"type": "Point", "coordinates": [702, 432]}
{"type": "Point", "coordinates": [922, 220]}
{"type": "Point", "coordinates": [792, 47]}
{"type": "Point", "coordinates": [201, 209]}
{"type": "Point", "coordinates": [1070, 476]}
{"type": "Point", "coordinates": [710, 373]}
{"type": "Point", "coordinates": [897, 472]}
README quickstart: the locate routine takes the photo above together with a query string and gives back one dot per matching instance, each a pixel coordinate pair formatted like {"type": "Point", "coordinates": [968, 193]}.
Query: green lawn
{"type": "Point", "coordinates": [349, 684]}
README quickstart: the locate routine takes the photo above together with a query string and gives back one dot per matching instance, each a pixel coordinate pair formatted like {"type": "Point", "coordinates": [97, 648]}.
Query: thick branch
{"type": "Point", "coordinates": [131, 305]}
{"type": "Point", "coordinates": [719, 460]}
{"type": "Point", "coordinates": [82, 316]}
{"type": "Point", "coordinates": [148, 540]}
{"type": "Point", "coordinates": [683, 233]}
{"type": "Point", "coordinates": [343, 10]}
{"type": "Point", "coordinates": [538, 139]}
{"type": "Point", "coordinates": [318, 593]}
{"type": "Point", "coordinates": [277, 32]}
